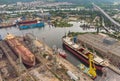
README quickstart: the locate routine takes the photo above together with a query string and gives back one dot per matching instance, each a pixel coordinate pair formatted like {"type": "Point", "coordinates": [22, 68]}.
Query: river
{"type": "Point", "coordinates": [52, 35]}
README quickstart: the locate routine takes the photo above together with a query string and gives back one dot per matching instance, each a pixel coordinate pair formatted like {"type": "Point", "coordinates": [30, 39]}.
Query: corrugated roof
{"type": "Point", "coordinates": [97, 42]}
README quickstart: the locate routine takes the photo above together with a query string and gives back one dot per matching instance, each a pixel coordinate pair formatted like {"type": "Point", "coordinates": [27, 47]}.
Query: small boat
{"type": "Point", "coordinates": [62, 53]}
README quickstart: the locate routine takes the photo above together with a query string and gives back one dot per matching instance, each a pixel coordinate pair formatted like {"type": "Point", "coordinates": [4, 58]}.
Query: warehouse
{"type": "Point", "coordinates": [103, 45]}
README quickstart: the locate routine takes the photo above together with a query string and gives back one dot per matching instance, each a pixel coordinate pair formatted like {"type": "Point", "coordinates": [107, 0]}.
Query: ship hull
{"type": "Point", "coordinates": [22, 52]}
{"type": "Point", "coordinates": [27, 22]}
{"type": "Point", "coordinates": [63, 56]}
{"type": "Point", "coordinates": [82, 58]}
{"type": "Point", "coordinates": [6, 26]}
{"type": "Point", "coordinates": [28, 26]}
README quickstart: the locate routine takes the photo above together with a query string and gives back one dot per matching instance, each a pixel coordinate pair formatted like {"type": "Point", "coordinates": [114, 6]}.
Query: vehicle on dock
{"type": "Point", "coordinates": [81, 52]}
{"type": "Point", "coordinates": [21, 51]}
{"type": "Point", "coordinates": [72, 76]}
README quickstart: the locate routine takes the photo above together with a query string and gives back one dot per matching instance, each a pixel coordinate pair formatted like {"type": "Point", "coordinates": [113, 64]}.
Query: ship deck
{"type": "Point", "coordinates": [82, 50]}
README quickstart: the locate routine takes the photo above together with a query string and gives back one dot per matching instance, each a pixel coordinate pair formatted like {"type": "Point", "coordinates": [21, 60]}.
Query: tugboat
{"type": "Point", "coordinates": [59, 51]}
{"type": "Point", "coordinates": [62, 53]}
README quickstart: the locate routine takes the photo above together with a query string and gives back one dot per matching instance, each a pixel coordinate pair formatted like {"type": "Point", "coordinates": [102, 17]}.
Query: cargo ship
{"type": "Point", "coordinates": [21, 51]}
{"type": "Point", "coordinates": [82, 53]}
{"type": "Point", "coordinates": [33, 25]}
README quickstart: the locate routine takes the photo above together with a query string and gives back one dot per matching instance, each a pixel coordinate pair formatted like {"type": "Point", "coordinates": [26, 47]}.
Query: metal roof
{"type": "Point", "coordinates": [101, 43]}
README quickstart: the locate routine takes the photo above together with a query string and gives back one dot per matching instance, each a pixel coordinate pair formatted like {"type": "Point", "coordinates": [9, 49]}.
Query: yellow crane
{"type": "Point", "coordinates": [92, 69]}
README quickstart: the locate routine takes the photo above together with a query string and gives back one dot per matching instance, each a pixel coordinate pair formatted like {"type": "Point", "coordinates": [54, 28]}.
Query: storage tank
{"type": "Point", "coordinates": [72, 75]}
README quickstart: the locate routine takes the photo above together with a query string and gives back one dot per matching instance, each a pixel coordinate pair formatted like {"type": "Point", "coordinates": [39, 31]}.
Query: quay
{"type": "Point", "coordinates": [106, 46]}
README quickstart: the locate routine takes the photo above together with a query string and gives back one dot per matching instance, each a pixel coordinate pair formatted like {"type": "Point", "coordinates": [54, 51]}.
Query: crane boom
{"type": "Point", "coordinates": [92, 69]}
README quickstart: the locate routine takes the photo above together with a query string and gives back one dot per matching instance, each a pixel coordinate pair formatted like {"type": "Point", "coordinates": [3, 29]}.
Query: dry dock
{"type": "Point", "coordinates": [49, 65]}
{"type": "Point", "coordinates": [57, 61]}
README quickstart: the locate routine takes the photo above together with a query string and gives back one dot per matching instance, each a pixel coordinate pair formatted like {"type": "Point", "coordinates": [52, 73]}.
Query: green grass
{"type": "Point", "coordinates": [79, 33]}
{"type": "Point", "coordinates": [62, 24]}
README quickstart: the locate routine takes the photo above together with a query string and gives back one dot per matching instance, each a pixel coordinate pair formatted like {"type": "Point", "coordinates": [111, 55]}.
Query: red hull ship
{"type": "Point", "coordinates": [27, 57]}
{"type": "Point", "coordinates": [27, 22]}
{"type": "Point", "coordinates": [82, 53]}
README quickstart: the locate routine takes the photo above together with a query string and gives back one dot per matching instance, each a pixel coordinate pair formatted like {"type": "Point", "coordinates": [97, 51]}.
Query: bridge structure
{"type": "Point", "coordinates": [115, 26]}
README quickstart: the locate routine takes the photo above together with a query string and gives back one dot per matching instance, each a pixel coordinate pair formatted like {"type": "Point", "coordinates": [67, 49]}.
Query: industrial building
{"type": "Point", "coordinates": [103, 45]}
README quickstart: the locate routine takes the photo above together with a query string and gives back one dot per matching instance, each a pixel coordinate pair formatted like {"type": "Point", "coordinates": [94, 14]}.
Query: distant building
{"type": "Point", "coordinates": [19, 3]}
{"type": "Point", "coordinates": [45, 15]}
{"type": "Point", "coordinates": [106, 46]}
{"type": "Point", "coordinates": [2, 6]}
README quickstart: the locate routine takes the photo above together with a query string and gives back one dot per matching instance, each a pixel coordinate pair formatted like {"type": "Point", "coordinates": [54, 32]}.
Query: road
{"type": "Point", "coordinates": [103, 12]}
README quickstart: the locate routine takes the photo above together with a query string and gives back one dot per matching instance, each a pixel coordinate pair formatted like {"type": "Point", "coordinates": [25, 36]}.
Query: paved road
{"type": "Point", "coordinates": [112, 20]}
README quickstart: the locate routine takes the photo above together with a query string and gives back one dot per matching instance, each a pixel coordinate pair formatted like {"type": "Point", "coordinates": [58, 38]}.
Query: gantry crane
{"type": "Point", "coordinates": [92, 69]}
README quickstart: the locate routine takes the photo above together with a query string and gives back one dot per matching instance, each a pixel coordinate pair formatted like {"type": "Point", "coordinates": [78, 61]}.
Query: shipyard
{"type": "Point", "coordinates": [46, 63]}
{"type": "Point", "coordinates": [52, 40]}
